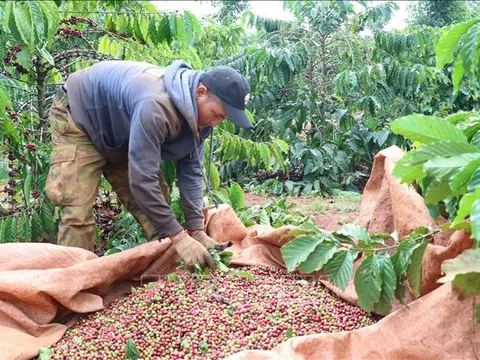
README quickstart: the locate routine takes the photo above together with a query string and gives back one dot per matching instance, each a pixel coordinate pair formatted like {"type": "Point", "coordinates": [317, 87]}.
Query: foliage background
{"type": "Point", "coordinates": [325, 88]}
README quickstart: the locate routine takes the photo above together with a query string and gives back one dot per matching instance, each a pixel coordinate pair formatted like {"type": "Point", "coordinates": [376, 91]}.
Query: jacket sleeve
{"type": "Point", "coordinates": [190, 184]}
{"type": "Point", "coordinates": [148, 131]}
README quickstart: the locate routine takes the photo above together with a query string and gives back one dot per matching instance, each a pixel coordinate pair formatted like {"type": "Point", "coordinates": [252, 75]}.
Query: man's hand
{"type": "Point", "coordinates": [202, 237]}
{"type": "Point", "coordinates": [191, 251]}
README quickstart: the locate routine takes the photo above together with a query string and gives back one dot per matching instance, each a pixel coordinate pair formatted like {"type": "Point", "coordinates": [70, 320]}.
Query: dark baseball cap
{"type": "Point", "coordinates": [233, 89]}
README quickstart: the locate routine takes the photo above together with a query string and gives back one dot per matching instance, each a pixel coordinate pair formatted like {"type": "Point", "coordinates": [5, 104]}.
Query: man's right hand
{"type": "Point", "coordinates": [191, 251]}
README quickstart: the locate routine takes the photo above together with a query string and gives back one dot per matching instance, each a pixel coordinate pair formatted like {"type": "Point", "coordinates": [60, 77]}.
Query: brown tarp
{"type": "Point", "coordinates": [44, 286]}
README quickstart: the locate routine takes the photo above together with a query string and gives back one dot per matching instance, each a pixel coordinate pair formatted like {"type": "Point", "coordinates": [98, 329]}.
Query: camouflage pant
{"type": "Point", "coordinates": [73, 180]}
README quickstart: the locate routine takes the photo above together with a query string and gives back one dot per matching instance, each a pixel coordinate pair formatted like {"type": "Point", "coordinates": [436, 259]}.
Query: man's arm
{"type": "Point", "coordinates": [149, 130]}
{"type": "Point", "coordinates": [190, 184]}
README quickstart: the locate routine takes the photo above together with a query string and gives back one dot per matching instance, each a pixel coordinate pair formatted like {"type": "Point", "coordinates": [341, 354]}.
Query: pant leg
{"type": "Point", "coordinates": [117, 176]}
{"type": "Point", "coordinates": [73, 178]}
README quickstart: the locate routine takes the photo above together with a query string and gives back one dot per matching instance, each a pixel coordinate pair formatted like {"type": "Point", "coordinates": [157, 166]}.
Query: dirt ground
{"type": "Point", "coordinates": [328, 213]}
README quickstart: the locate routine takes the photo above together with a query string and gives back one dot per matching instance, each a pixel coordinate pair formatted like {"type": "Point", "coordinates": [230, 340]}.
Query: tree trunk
{"type": "Point", "coordinates": [41, 96]}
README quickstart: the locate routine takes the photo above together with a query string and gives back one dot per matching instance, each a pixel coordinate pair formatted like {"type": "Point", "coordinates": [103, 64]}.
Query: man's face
{"type": "Point", "coordinates": [210, 108]}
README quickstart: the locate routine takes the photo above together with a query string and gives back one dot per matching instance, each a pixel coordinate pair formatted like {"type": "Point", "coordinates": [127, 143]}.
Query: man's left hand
{"type": "Point", "coordinates": [202, 237]}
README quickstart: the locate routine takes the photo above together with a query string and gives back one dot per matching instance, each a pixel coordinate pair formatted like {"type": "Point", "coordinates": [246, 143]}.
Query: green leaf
{"type": "Point", "coordinates": [264, 218]}
{"type": "Point", "coordinates": [475, 218]}
{"type": "Point", "coordinates": [203, 347]}
{"type": "Point", "coordinates": [448, 42]}
{"type": "Point", "coordinates": [368, 282]}
{"type": "Point", "coordinates": [180, 30]}
{"type": "Point", "coordinates": [470, 127]}
{"type": "Point", "coordinates": [9, 22]}
{"type": "Point", "coordinates": [104, 45]}
{"type": "Point", "coordinates": [305, 228]}
{"type": "Point", "coordinates": [474, 181]}
{"type": "Point", "coordinates": [47, 219]}
{"type": "Point", "coordinates": [220, 266]}
{"type": "Point", "coordinates": [10, 130]}
{"type": "Point", "coordinates": [469, 48]}
{"type": "Point", "coordinates": [52, 17]}
{"type": "Point", "coordinates": [401, 259]}
{"type": "Point", "coordinates": [131, 351]}
{"type": "Point", "coordinates": [37, 228]}
{"type": "Point", "coordinates": [297, 251]}
{"type": "Point", "coordinates": [214, 177]}
{"type": "Point", "coordinates": [442, 168]}
{"type": "Point", "coordinates": [24, 228]}
{"type": "Point", "coordinates": [340, 268]}
{"type": "Point", "coordinates": [319, 257]}
{"type": "Point", "coordinates": [406, 171]}
{"type": "Point", "coordinates": [4, 99]}
{"type": "Point", "coordinates": [437, 191]}
{"type": "Point", "coordinates": [443, 148]}
{"type": "Point", "coordinates": [464, 272]}
{"type": "Point", "coordinates": [3, 223]}
{"type": "Point", "coordinates": [282, 145]}
{"type": "Point", "coordinates": [476, 139]}
{"type": "Point", "coordinates": [389, 281]}
{"type": "Point", "coordinates": [24, 23]}
{"type": "Point", "coordinates": [46, 55]}
{"type": "Point", "coordinates": [400, 292]}
{"type": "Point", "coordinates": [414, 271]}
{"type": "Point", "coordinates": [173, 277]}
{"type": "Point", "coordinates": [172, 20]}
{"type": "Point", "coordinates": [477, 313]}
{"type": "Point", "coordinates": [242, 273]}
{"type": "Point", "coordinates": [153, 32]}
{"type": "Point", "coordinates": [164, 31]}
{"type": "Point", "coordinates": [355, 231]}
{"type": "Point", "coordinates": [194, 21]}
{"type": "Point", "coordinates": [188, 26]}
{"type": "Point", "coordinates": [457, 74]}
{"type": "Point", "coordinates": [6, 14]}
{"type": "Point", "coordinates": [25, 58]}
{"type": "Point", "coordinates": [465, 205]}
{"type": "Point", "coordinates": [462, 178]}
{"type": "Point", "coordinates": [426, 129]}
{"type": "Point", "coordinates": [136, 29]}
{"type": "Point", "coordinates": [39, 21]}
{"type": "Point", "coordinates": [459, 117]}
{"type": "Point", "coordinates": [129, 26]}
{"type": "Point", "coordinates": [265, 155]}
{"type": "Point", "coordinates": [250, 116]}
{"type": "Point", "coordinates": [45, 353]}
{"type": "Point", "coordinates": [10, 228]}
{"type": "Point", "coordinates": [235, 194]}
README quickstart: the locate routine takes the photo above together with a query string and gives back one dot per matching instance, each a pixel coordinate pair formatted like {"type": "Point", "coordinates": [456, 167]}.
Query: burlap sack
{"type": "Point", "coordinates": [42, 283]}
{"type": "Point", "coordinates": [387, 206]}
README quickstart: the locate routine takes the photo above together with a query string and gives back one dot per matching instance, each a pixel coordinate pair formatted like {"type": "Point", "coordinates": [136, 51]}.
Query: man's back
{"type": "Point", "coordinates": [103, 97]}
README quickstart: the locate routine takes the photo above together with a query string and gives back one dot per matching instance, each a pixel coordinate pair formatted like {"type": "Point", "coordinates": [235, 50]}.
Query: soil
{"type": "Point", "coordinates": [328, 213]}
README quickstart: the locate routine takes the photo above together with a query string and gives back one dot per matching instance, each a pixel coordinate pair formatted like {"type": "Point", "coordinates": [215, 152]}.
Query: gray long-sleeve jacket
{"type": "Point", "coordinates": [143, 114]}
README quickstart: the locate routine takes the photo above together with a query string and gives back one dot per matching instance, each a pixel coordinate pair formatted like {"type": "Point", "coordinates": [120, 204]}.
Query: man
{"type": "Point", "coordinates": [122, 118]}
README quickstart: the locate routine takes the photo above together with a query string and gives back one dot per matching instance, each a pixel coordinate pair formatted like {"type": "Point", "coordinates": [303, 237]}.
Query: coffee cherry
{"type": "Point", "coordinates": [210, 318]}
